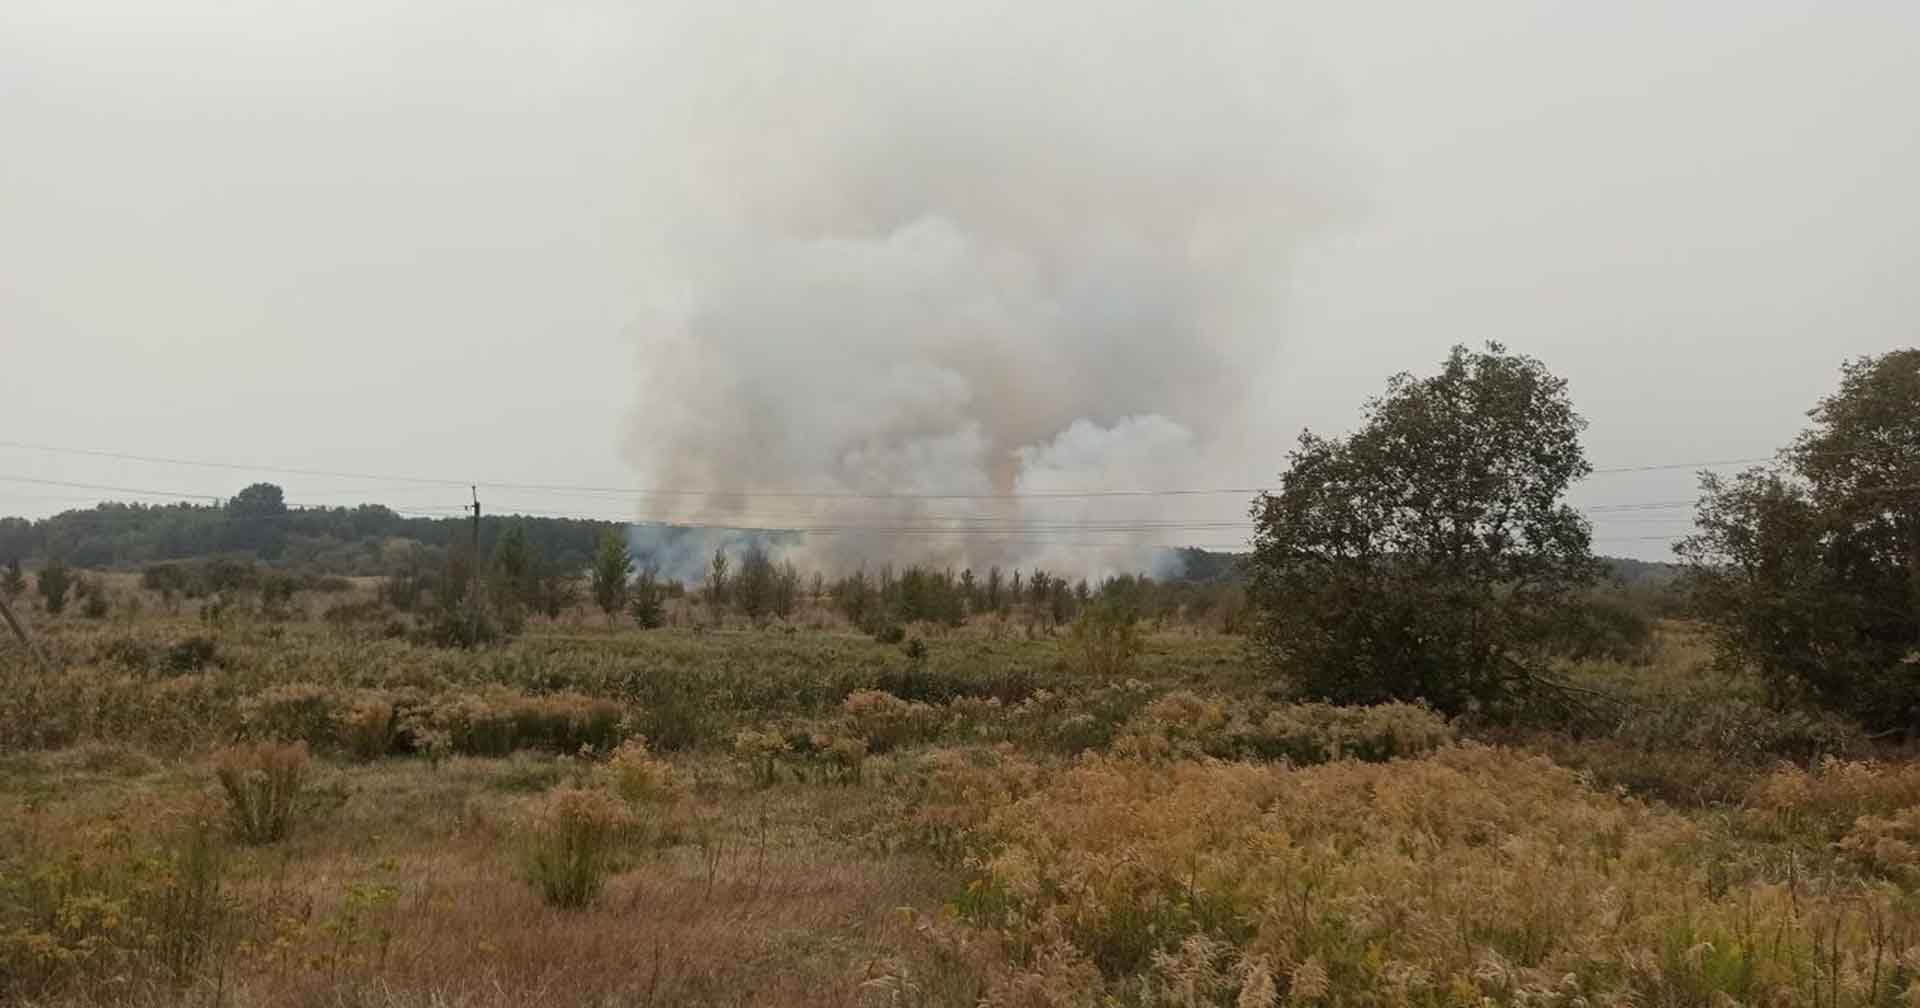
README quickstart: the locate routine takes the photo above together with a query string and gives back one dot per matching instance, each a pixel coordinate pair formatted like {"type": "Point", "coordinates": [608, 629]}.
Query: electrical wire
{"type": "Point", "coordinates": [776, 494]}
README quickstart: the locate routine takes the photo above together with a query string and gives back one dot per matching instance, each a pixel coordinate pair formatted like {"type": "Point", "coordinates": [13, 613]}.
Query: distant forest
{"type": "Point", "coordinates": [366, 540]}
{"type": "Point", "coordinates": [371, 539]}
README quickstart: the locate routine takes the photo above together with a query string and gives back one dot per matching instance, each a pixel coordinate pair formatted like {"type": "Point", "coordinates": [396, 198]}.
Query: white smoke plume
{"type": "Point", "coordinates": [981, 249]}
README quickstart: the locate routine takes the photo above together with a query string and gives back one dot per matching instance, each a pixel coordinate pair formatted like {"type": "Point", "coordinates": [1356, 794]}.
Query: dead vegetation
{"type": "Point", "coordinates": [672, 817]}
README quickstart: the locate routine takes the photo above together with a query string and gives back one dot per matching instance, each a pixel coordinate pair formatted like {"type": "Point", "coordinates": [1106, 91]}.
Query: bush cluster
{"type": "Point", "coordinates": [1186, 725]}
{"type": "Point", "coordinates": [486, 721]}
{"type": "Point", "coordinates": [263, 782]}
{"type": "Point", "coordinates": [1469, 876]}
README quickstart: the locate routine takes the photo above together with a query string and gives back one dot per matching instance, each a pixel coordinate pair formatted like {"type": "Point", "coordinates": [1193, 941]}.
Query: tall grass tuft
{"type": "Point", "coordinates": [262, 782]}
{"type": "Point", "coordinates": [1106, 642]}
{"type": "Point", "coordinates": [574, 844]}
{"type": "Point", "coordinates": [189, 906]}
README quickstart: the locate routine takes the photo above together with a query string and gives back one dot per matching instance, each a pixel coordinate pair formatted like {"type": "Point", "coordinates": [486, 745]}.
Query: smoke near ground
{"type": "Point", "coordinates": [986, 250]}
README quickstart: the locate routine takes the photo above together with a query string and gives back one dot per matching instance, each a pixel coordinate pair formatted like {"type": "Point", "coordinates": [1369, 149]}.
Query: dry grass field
{"type": "Point", "coordinates": [306, 811]}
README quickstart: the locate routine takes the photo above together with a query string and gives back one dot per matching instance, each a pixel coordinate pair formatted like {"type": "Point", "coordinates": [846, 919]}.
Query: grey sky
{"type": "Point", "coordinates": [458, 239]}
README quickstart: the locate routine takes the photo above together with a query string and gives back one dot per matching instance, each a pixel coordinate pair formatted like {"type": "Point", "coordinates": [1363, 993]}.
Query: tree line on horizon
{"type": "Point", "coordinates": [1429, 555]}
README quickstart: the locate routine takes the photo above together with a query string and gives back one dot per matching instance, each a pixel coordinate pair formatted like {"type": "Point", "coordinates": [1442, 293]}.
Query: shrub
{"type": "Point", "coordinates": [575, 844]}
{"type": "Point", "coordinates": [761, 749]}
{"type": "Point", "coordinates": [130, 652]}
{"type": "Point", "coordinates": [262, 783]}
{"type": "Point", "coordinates": [94, 605]}
{"type": "Point", "coordinates": [1887, 845]}
{"type": "Point", "coordinates": [887, 722]}
{"type": "Point", "coordinates": [1607, 624]}
{"type": "Point", "coordinates": [188, 654]}
{"type": "Point", "coordinates": [290, 712]}
{"type": "Point", "coordinates": [1470, 876]}
{"type": "Point", "coordinates": [53, 581]}
{"type": "Point", "coordinates": [647, 600]}
{"type": "Point", "coordinates": [495, 721]}
{"type": "Point", "coordinates": [368, 612]}
{"type": "Point", "coordinates": [841, 758]}
{"type": "Point", "coordinates": [1823, 803]}
{"type": "Point", "coordinates": [111, 905]}
{"type": "Point", "coordinates": [188, 907]}
{"type": "Point", "coordinates": [367, 724]}
{"type": "Point", "coordinates": [1806, 573]}
{"type": "Point", "coordinates": [1731, 728]}
{"type": "Point", "coordinates": [942, 800]}
{"type": "Point", "coordinates": [1185, 726]}
{"type": "Point", "coordinates": [470, 624]}
{"type": "Point", "coordinates": [1106, 642]}
{"type": "Point", "coordinates": [1076, 722]}
{"type": "Point", "coordinates": [639, 777]}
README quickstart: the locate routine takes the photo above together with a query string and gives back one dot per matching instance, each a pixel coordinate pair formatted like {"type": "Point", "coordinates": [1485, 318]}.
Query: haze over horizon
{"type": "Point", "coordinates": [924, 250]}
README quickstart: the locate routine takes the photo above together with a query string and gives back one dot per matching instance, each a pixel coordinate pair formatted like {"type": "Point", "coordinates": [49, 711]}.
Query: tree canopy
{"type": "Point", "coordinates": [1428, 555]}
{"type": "Point", "coordinates": [1810, 572]}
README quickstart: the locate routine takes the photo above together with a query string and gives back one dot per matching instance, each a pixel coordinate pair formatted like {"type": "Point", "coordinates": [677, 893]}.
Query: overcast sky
{"type": "Point", "coordinates": [463, 239]}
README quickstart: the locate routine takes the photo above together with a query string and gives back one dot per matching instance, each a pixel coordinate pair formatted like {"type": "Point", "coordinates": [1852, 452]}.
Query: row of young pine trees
{"type": "Point", "coordinates": [760, 589]}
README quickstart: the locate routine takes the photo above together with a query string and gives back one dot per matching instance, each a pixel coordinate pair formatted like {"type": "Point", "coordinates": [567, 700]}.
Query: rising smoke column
{"type": "Point", "coordinates": [979, 249]}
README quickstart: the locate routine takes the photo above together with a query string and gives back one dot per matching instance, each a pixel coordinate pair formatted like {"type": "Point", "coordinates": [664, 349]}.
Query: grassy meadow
{"type": "Point", "coordinates": [310, 810]}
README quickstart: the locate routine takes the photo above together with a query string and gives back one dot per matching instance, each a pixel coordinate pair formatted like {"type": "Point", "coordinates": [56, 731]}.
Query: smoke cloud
{"type": "Point", "coordinates": [987, 250]}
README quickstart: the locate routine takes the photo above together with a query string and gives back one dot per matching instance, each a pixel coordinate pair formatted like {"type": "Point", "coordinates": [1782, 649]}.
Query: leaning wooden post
{"type": "Point", "coordinates": [21, 632]}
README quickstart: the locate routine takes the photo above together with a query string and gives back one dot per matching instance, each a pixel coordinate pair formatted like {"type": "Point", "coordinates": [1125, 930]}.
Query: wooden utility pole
{"type": "Point", "coordinates": [479, 574]}
{"type": "Point", "coordinates": [21, 632]}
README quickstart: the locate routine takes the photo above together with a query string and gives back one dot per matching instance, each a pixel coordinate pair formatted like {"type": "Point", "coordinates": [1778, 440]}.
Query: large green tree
{"type": "Point", "coordinates": [1428, 555]}
{"type": "Point", "coordinates": [1809, 573]}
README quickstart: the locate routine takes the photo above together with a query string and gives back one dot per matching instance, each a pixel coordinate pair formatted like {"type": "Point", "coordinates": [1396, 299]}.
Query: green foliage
{"type": "Point", "coordinates": [647, 604]}
{"type": "Point", "coordinates": [1812, 575]}
{"type": "Point", "coordinates": [1609, 623]}
{"type": "Point", "coordinates": [54, 580]}
{"type": "Point", "coordinates": [92, 598]}
{"type": "Point", "coordinates": [853, 595]}
{"type": "Point", "coordinates": [786, 590]}
{"type": "Point", "coordinates": [555, 593]}
{"type": "Point", "coordinates": [261, 500]}
{"type": "Point", "coordinates": [114, 903]}
{"type": "Point", "coordinates": [515, 570]}
{"type": "Point", "coordinates": [1185, 725]}
{"type": "Point", "coordinates": [718, 584]}
{"type": "Point", "coordinates": [1428, 556]}
{"type": "Point", "coordinates": [477, 621]}
{"type": "Point", "coordinates": [1106, 641]}
{"type": "Point", "coordinates": [368, 539]}
{"type": "Point", "coordinates": [612, 565]}
{"type": "Point", "coordinates": [754, 586]}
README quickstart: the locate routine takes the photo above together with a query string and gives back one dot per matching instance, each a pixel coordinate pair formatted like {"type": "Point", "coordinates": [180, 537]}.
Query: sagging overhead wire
{"type": "Point", "coordinates": [559, 488]}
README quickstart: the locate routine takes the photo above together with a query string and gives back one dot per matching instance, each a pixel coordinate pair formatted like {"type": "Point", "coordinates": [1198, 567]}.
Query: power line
{"type": "Point", "coordinates": [174, 494]}
{"type": "Point", "coordinates": [876, 524]}
{"type": "Point", "coordinates": [792, 494]}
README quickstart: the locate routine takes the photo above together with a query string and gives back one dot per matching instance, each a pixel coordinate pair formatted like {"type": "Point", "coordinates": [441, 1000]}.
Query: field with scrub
{"type": "Point", "coordinates": [302, 811]}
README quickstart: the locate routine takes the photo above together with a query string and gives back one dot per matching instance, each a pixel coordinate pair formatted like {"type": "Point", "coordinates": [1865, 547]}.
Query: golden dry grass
{"type": "Point", "coordinates": [823, 820]}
